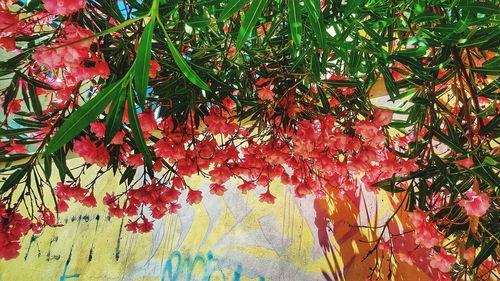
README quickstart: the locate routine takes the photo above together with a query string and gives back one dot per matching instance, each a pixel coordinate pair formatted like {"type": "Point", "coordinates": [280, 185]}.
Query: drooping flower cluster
{"type": "Point", "coordinates": [71, 52]}
{"type": "Point", "coordinates": [65, 192]}
{"type": "Point", "coordinates": [12, 227]}
{"type": "Point", "coordinates": [246, 113]}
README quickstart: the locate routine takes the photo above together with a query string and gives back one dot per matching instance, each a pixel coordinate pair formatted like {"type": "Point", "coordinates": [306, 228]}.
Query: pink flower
{"type": "Point", "coordinates": [382, 117]}
{"type": "Point", "coordinates": [63, 7]}
{"type": "Point", "coordinates": [475, 204]}
{"type": "Point", "coordinates": [442, 261]}
{"type": "Point", "coordinates": [425, 233]}
{"type": "Point", "coordinates": [470, 255]}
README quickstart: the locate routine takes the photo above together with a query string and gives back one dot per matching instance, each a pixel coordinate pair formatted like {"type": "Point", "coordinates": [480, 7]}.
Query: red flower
{"type": "Point", "coordinates": [153, 69]}
{"type": "Point", "coordinates": [145, 226]}
{"type": "Point", "coordinates": [12, 227]}
{"type": "Point", "coordinates": [118, 138]}
{"type": "Point", "coordinates": [220, 174]}
{"type": "Point", "coordinates": [148, 122]}
{"type": "Point", "coordinates": [467, 162]}
{"type": "Point", "coordinates": [98, 128]}
{"type": "Point", "coordinates": [90, 153]}
{"type": "Point", "coordinates": [266, 94]}
{"type": "Point", "coordinates": [8, 43]}
{"type": "Point", "coordinates": [194, 196]}
{"type": "Point", "coordinates": [425, 233]}
{"type": "Point", "coordinates": [14, 106]}
{"type": "Point", "coordinates": [382, 117]}
{"type": "Point", "coordinates": [135, 160]}
{"type": "Point", "coordinates": [217, 189]}
{"type": "Point", "coordinates": [89, 201]}
{"type": "Point", "coordinates": [15, 148]}
{"type": "Point", "coordinates": [246, 186]}
{"type": "Point", "coordinates": [267, 197]}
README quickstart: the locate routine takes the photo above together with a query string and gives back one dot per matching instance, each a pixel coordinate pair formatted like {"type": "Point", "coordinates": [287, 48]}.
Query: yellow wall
{"type": "Point", "coordinates": [234, 237]}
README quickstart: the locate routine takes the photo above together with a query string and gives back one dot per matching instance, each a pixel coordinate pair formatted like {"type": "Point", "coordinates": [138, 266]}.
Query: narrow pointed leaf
{"type": "Point", "coordinates": [231, 8]}
{"type": "Point", "coordinates": [251, 16]}
{"type": "Point", "coordinates": [295, 19]}
{"type": "Point", "coordinates": [316, 20]}
{"type": "Point", "coordinates": [185, 68]}
{"type": "Point", "coordinates": [80, 119]}
{"type": "Point", "coordinates": [390, 83]}
{"type": "Point", "coordinates": [486, 250]}
{"type": "Point", "coordinates": [143, 62]}
{"type": "Point", "coordinates": [13, 179]}
{"type": "Point", "coordinates": [137, 133]}
{"type": "Point", "coordinates": [115, 116]}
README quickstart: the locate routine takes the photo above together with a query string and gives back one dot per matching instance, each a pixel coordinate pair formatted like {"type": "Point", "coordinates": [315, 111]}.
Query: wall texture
{"type": "Point", "coordinates": [233, 237]}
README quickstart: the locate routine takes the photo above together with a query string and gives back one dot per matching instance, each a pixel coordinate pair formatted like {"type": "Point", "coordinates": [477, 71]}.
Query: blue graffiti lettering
{"type": "Point", "coordinates": [177, 266]}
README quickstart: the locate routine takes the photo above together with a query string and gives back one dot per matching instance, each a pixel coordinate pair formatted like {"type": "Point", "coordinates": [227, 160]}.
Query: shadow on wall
{"type": "Point", "coordinates": [233, 237]}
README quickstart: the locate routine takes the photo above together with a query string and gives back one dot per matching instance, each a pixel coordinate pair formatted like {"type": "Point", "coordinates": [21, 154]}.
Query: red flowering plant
{"type": "Point", "coordinates": [157, 91]}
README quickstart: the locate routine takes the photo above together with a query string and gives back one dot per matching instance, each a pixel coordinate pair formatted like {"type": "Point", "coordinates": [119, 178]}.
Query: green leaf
{"type": "Point", "coordinates": [295, 19]}
{"type": "Point", "coordinates": [13, 179]}
{"type": "Point", "coordinates": [115, 116]}
{"type": "Point", "coordinates": [29, 123]}
{"type": "Point", "coordinates": [486, 8]}
{"type": "Point", "coordinates": [446, 140]}
{"type": "Point", "coordinates": [13, 157]}
{"type": "Point", "coordinates": [486, 250]}
{"type": "Point", "coordinates": [184, 67]}
{"type": "Point", "coordinates": [427, 16]}
{"type": "Point", "coordinates": [16, 132]}
{"type": "Point", "coordinates": [231, 8]}
{"type": "Point", "coordinates": [137, 133]}
{"type": "Point", "coordinates": [316, 20]}
{"type": "Point", "coordinates": [251, 16]}
{"type": "Point", "coordinates": [199, 21]}
{"type": "Point", "coordinates": [59, 158]}
{"type": "Point", "coordinates": [35, 102]}
{"type": "Point", "coordinates": [80, 119]}
{"type": "Point", "coordinates": [389, 185]}
{"type": "Point", "coordinates": [486, 174]}
{"type": "Point", "coordinates": [390, 83]}
{"type": "Point", "coordinates": [47, 170]}
{"type": "Point", "coordinates": [143, 62]}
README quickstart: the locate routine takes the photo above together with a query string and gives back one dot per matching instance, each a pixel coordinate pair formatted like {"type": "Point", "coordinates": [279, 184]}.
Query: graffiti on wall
{"type": "Point", "coordinates": [233, 237]}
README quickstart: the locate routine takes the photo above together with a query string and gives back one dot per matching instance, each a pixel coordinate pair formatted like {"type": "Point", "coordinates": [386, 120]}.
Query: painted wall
{"type": "Point", "coordinates": [233, 237]}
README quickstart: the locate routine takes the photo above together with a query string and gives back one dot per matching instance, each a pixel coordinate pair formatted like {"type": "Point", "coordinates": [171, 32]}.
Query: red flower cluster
{"type": "Point", "coordinates": [12, 227]}
{"type": "Point", "coordinates": [91, 152]}
{"type": "Point", "coordinates": [71, 53]}
{"type": "Point", "coordinates": [425, 233]}
{"type": "Point", "coordinates": [65, 192]}
{"type": "Point", "coordinates": [159, 198]}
